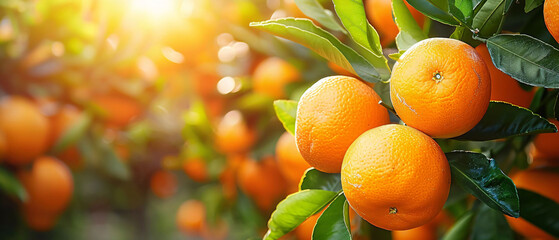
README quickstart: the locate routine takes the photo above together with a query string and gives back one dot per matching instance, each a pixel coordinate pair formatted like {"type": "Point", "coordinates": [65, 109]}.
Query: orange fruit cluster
{"type": "Point", "coordinates": [440, 88]}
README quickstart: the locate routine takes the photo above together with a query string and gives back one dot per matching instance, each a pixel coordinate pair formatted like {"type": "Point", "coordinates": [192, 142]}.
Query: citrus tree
{"type": "Point", "coordinates": [471, 84]}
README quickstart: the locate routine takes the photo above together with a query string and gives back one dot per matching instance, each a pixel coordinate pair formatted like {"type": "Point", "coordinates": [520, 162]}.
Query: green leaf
{"type": "Point", "coordinates": [410, 32]}
{"type": "Point", "coordinates": [295, 209]}
{"type": "Point", "coordinates": [532, 4]}
{"type": "Point", "coordinates": [314, 10]}
{"type": "Point", "coordinates": [286, 110]}
{"type": "Point", "coordinates": [526, 59]}
{"type": "Point", "coordinates": [461, 228]}
{"type": "Point", "coordinates": [304, 32]}
{"type": "Point", "coordinates": [463, 10]}
{"type": "Point", "coordinates": [314, 179]}
{"type": "Point", "coordinates": [490, 224]}
{"type": "Point", "coordinates": [113, 164]}
{"type": "Point", "coordinates": [383, 90]}
{"type": "Point", "coordinates": [503, 120]}
{"type": "Point", "coordinates": [334, 222]}
{"type": "Point", "coordinates": [72, 134]}
{"type": "Point", "coordinates": [481, 177]}
{"type": "Point", "coordinates": [464, 34]}
{"type": "Point", "coordinates": [11, 186]}
{"type": "Point", "coordinates": [352, 15]}
{"type": "Point", "coordinates": [540, 211]}
{"type": "Point", "coordinates": [434, 12]}
{"type": "Point", "coordinates": [490, 18]}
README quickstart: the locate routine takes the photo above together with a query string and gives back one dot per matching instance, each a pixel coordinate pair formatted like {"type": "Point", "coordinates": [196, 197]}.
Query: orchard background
{"type": "Point", "coordinates": [174, 119]}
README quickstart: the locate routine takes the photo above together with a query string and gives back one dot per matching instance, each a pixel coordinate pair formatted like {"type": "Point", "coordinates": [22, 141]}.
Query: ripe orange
{"type": "Point", "coordinates": [39, 221]}
{"type": "Point", "coordinates": [551, 17]}
{"type": "Point", "coordinates": [441, 87]}
{"type": "Point", "coordinates": [339, 70]}
{"type": "Point", "coordinates": [331, 114]}
{"type": "Point", "coordinates": [504, 87]}
{"type": "Point", "coordinates": [3, 145]}
{"type": "Point", "coordinates": [304, 231]}
{"type": "Point", "coordinates": [163, 183]}
{"type": "Point", "coordinates": [272, 75]}
{"type": "Point", "coordinates": [400, 183]}
{"type": "Point", "coordinates": [291, 164]}
{"type": "Point", "coordinates": [262, 181]}
{"type": "Point", "coordinates": [292, 9]}
{"type": "Point", "coordinates": [49, 185]}
{"type": "Point", "coordinates": [546, 143]}
{"type": "Point", "coordinates": [205, 83]}
{"type": "Point", "coordinates": [227, 178]}
{"type": "Point", "coordinates": [196, 169]}
{"type": "Point", "coordinates": [379, 13]}
{"type": "Point", "coordinates": [72, 158]}
{"type": "Point", "coordinates": [424, 232]}
{"type": "Point", "coordinates": [118, 110]}
{"type": "Point", "coordinates": [25, 130]}
{"type": "Point", "coordinates": [233, 136]}
{"type": "Point", "coordinates": [61, 121]}
{"type": "Point", "coordinates": [542, 182]}
{"type": "Point", "coordinates": [191, 217]}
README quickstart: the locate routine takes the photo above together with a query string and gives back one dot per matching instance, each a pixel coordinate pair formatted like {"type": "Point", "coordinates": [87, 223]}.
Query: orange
{"type": "Point", "coordinates": [291, 164]}
{"type": "Point", "coordinates": [424, 232]}
{"type": "Point", "coordinates": [25, 130]}
{"type": "Point", "coordinates": [39, 221]}
{"type": "Point", "coordinates": [163, 183]}
{"type": "Point", "coordinates": [331, 114]}
{"type": "Point", "coordinates": [551, 17]}
{"type": "Point", "coordinates": [340, 70]}
{"type": "Point", "coordinates": [233, 135]}
{"type": "Point", "coordinates": [504, 87]}
{"type": "Point", "coordinates": [546, 143]}
{"type": "Point", "coordinates": [272, 75]}
{"type": "Point", "coordinates": [2, 145]}
{"type": "Point", "coordinates": [117, 110]}
{"type": "Point", "coordinates": [400, 183]}
{"type": "Point", "coordinates": [441, 87]}
{"type": "Point", "coordinates": [66, 117]}
{"type": "Point", "coordinates": [196, 169]}
{"type": "Point", "coordinates": [304, 231]}
{"type": "Point", "coordinates": [293, 10]}
{"type": "Point", "coordinates": [62, 121]}
{"type": "Point", "coordinates": [379, 13]}
{"type": "Point", "coordinates": [205, 83]}
{"type": "Point", "coordinates": [191, 217]}
{"type": "Point", "coordinates": [539, 181]}
{"type": "Point", "coordinates": [227, 178]}
{"type": "Point", "coordinates": [262, 181]}
{"type": "Point", "coordinates": [49, 185]}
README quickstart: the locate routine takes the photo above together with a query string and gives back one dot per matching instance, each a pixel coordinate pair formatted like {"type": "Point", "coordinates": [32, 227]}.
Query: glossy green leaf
{"type": "Point", "coordinates": [463, 10]}
{"type": "Point", "coordinates": [113, 164]}
{"type": "Point", "coordinates": [383, 90]}
{"type": "Point", "coordinates": [72, 134]}
{"type": "Point", "coordinates": [352, 15]}
{"type": "Point", "coordinates": [286, 110]}
{"type": "Point", "coordinates": [334, 222]}
{"type": "Point", "coordinates": [505, 120]}
{"type": "Point", "coordinates": [314, 179]}
{"type": "Point", "coordinates": [481, 177]}
{"type": "Point", "coordinates": [540, 211]}
{"type": "Point", "coordinates": [304, 32]}
{"type": "Point", "coordinates": [11, 186]}
{"type": "Point", "coordinates": [490, 18]}
{"type": "Point", "coordinates": [410, 32]}
{"type": "Point", "coordinates": [526, 59]}
{"type": "Point", "coordinates": [434, 12]}
{"type": "Point", "coordinates": [295, 209]}
{"type": "Point", "coordinates": [532, 4]}
{"type": "Point", "coordinates": [314, 10]}
{"type": "Point", "coordinates": [461, 228]}
{"type": "Point", "coordinates": [464, 34]}
{"type": "Point", "coordinates": [490, 224]}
